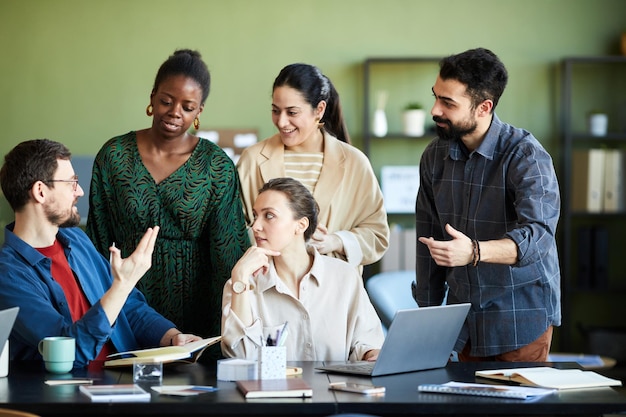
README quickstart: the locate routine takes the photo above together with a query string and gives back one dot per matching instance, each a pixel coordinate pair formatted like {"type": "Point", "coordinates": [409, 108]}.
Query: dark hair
{"type": "Point", "coordinates": [315, 87]}
{"type": "Point", "coordinates": [480, 70]}
{"type": "Point", "coordinates": [29, 162]}
{"type": "Point", "coordinates": [188, 63]}
{"type": "Point", "coordinates": [301, 200]}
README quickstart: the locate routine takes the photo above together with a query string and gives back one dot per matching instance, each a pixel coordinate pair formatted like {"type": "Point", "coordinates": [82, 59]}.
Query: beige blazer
{"type": "Point", "coordinates": [347, 192]}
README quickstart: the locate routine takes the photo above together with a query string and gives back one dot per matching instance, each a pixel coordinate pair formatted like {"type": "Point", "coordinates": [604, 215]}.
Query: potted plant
{"type": "Point", "coordinates": [413, 118]}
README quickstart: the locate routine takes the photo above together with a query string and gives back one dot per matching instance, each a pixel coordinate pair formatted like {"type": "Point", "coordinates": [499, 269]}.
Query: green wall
{"type": "Point", "coordinates": [81, 71]}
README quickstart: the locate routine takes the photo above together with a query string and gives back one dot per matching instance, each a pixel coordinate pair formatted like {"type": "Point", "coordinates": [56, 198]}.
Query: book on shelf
{"type": "Point", "coordinates": [275, 388]}
{"type": "Point", "coordinates": [598, 180]}
{"type": "Point", "coordinates": [188, 353]}
{"type": "Point", "coordinates": [115, 393]}
{"type": "Point", "coordinates": [587, 189]}
{"type": "Point", "coordinates": [613, 180]}
{"type": "Point", "coordinates": [546, 377]}
{"type": "Point", "coordinates": [486, 390]}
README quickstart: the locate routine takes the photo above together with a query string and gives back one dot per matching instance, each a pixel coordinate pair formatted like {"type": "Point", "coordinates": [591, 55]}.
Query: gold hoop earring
{"type": "Point", "coordinates": [196, 123]}
{"type": "Point", "coordinates": [149, 110]}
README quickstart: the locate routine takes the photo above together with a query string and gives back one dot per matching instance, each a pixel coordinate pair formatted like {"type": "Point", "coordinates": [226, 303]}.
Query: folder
{"type": "Point", "coordinates": [613, 181]}
{"type": "Point", "coordinates": [588, 180]}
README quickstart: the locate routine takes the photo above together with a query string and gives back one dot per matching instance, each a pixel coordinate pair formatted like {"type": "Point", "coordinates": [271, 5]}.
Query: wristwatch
{"type": "Point", "coordinates": [239, 287]}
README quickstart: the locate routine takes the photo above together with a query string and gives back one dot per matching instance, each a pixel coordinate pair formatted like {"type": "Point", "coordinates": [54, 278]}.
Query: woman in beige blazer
{"type": "Point", "coordinates": [313, 146]}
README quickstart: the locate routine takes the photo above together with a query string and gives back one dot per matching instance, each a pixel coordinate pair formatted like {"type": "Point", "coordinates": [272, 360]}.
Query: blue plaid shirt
{"type": "Point", "coordinates": [506, 188]}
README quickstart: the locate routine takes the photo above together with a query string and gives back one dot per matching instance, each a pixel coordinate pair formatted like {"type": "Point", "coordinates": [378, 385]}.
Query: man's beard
{"type": "Point", "coordinates": [57, 218]}
{"type": "Point", "coordinates": [454, 131]}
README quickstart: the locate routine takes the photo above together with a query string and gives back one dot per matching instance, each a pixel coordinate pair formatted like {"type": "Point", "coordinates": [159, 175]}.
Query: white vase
{"type": "Point", "coordinates": [379, 124]}
{"type": "Point", "coordinates": [413, 121]}
{"type": "Point", "coordinates": [598, 124]}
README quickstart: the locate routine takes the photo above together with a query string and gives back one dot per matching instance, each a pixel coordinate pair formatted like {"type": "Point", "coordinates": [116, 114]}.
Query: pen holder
{"type": "Point", "coordinates": [272, 362]}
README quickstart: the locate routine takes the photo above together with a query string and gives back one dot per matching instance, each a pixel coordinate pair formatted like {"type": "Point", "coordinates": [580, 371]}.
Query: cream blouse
{"type": "Point", "coordinates": [333, 320]}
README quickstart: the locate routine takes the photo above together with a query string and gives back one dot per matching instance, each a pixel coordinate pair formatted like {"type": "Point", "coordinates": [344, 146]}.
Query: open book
{"type": "Point", "coordinates": [187, 353]}
{"type": "Point", "coordinates": [547, 377]}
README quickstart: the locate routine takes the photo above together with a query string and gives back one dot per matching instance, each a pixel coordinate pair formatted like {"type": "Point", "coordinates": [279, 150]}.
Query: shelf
{"type": "Point", "coordinates": [606, 59]}
{"type": "Point", "coordinates": [406, 79]}
{"type": "Point", "coordinates": [402, 136]}
{"type": "Point", "coordinates": [599, 215]}
{"type": "Point", "coordinates": [611, 136]}
{"type": "Point", "coordinates": [400, 60]}
{"type": "Point", "coordinates": [597, 291]}
{"type": "Point", "coordinates": [590, 83]}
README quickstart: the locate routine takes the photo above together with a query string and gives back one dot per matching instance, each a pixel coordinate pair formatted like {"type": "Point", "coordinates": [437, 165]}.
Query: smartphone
{"type": "Point", "coordinates": [366, 389]}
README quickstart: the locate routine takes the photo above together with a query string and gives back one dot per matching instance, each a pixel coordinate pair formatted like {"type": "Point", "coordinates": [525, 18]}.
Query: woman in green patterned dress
{"type": "Point", "coordinates": [188, 186]}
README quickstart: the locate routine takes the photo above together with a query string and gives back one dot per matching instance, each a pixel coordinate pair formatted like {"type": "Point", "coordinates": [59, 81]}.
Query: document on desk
{"type": "Point", "coordinates": [486, 390]}
{"type": "Point", "coordinates": [546, 377]}
{"type": "Point", "coordinates": [188, 353]}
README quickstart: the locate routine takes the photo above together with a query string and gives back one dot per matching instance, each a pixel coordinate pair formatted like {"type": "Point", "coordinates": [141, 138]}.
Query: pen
{"type": "Point", "coordinates": [203, 388]}
{"type": "Point", "coordinates": [75, 381]}
{"type": "Point", "coordinates": [280, 340]}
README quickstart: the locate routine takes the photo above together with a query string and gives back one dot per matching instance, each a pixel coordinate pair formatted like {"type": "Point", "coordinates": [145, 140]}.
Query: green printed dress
{"type": "Point", "coordinates": [202, 235]}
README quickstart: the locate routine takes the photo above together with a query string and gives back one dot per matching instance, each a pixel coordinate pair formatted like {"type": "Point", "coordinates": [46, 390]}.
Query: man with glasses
{"type": "Point", "coordinates": [52, 271]}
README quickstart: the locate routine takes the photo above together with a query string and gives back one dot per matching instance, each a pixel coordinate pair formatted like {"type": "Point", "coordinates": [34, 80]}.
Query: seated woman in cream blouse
{"type": "Point", "coordinates": [283, 280]}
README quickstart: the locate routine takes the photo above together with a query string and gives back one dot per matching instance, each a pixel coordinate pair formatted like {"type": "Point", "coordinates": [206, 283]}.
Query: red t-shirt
{"type": "Point", "coordinates": [76, 299]}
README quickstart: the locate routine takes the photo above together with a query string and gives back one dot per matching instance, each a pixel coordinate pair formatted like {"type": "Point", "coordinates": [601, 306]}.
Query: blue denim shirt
{"type": "Point", "coordinates": [507, 187]}
{"type": "Point", "coordinates": [26, 282]}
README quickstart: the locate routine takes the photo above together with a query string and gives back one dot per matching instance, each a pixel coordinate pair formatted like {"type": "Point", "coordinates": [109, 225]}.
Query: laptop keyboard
{"type": "Point", "coordinates": [358, 367]}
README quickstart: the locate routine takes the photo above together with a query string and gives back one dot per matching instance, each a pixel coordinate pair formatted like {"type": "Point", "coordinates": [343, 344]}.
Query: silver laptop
{"type": "Point", "coordinates": [7, 318]}
{"type": "Point", "coordinates": [418, 339]}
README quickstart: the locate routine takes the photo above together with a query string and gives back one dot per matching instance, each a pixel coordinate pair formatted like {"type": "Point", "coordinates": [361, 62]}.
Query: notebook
{"type": "Point", "coordinates": [418, 339]}
{"type": "Point", "coordinates": [7, 318]}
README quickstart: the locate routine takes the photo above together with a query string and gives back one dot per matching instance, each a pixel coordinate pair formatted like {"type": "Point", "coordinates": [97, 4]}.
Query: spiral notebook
{"type": "Point", "coordinates": [485, 390]}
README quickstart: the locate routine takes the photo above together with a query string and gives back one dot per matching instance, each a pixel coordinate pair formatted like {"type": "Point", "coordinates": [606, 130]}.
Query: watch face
{"type": "Point", "coordinates": [239, 287]}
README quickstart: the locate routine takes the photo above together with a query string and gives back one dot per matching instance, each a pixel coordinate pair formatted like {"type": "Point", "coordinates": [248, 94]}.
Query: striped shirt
{"type": "Point", "coordinates": [304, 167]}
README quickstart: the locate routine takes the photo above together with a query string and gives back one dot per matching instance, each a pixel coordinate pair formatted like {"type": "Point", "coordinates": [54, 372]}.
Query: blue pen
{"type": "Point", "coordinates": [203, 388]}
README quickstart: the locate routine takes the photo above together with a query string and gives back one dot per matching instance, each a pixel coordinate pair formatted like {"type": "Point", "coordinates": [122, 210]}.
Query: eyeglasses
{"type": "Point", "coordinates": [74, 182]}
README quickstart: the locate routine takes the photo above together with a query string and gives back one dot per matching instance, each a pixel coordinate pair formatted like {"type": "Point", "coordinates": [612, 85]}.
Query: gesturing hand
{"type": "Point", "coordinates": [455, 252]}
{"type": "Point", "coordinates": [128, 271]}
